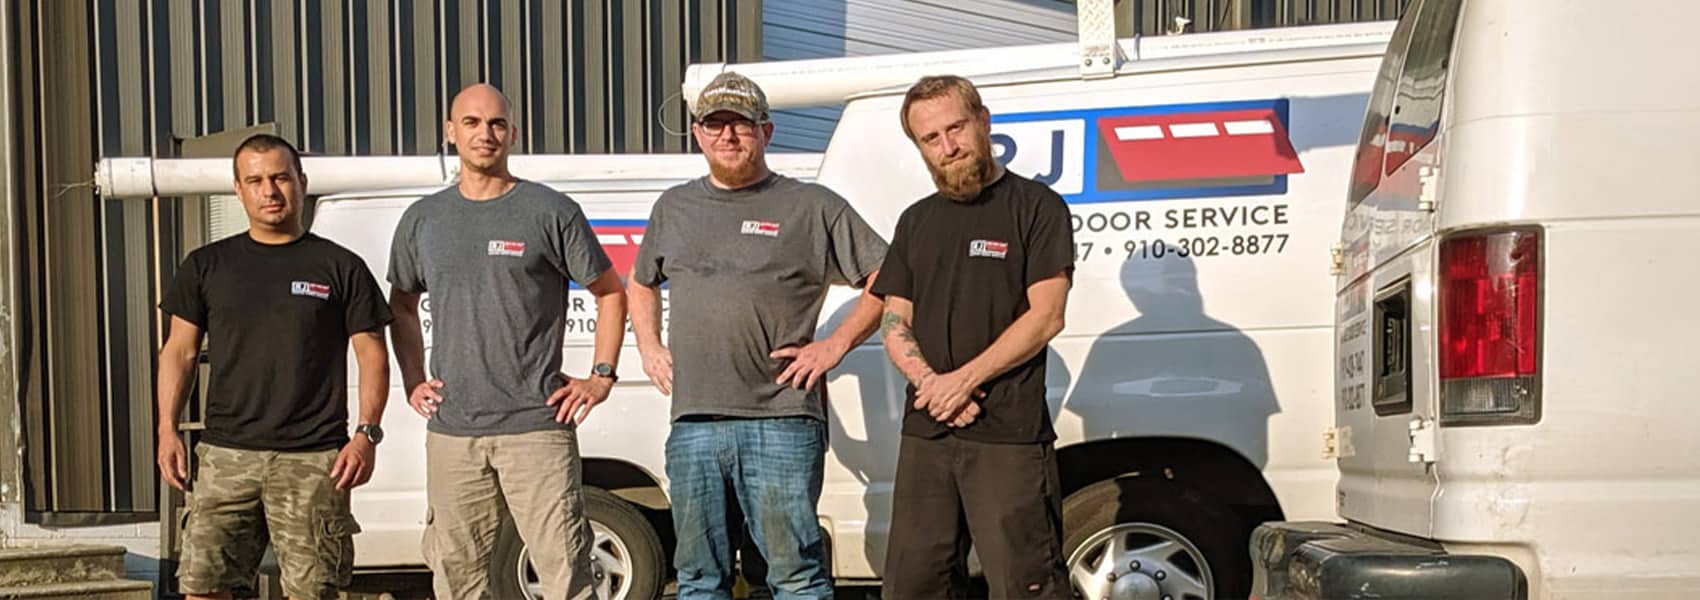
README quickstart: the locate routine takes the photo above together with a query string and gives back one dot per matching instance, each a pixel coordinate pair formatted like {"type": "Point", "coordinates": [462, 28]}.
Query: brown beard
{"type": "Point", "coordinates": [740, 174]}
{"type": "Point", "coordinates": [964, 179]}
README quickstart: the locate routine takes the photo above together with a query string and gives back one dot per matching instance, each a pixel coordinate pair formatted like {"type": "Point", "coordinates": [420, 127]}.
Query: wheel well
{"type": "Point", "coordinates": [1208, 467]}
{"type": "Point", "coordinates": [627, 481]}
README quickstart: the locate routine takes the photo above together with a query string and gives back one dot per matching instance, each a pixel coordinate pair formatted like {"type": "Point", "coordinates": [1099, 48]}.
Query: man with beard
{"type": "Point", "coordinates": [748, 255]}
{"type": "Point", "coordinates": [496, 254]}
{"type": "Point", "coordinates": [975, 285]}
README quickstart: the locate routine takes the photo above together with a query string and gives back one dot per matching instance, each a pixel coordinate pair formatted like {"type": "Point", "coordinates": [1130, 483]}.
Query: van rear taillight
{"type": "Point", "coordinates": [1490, 284]}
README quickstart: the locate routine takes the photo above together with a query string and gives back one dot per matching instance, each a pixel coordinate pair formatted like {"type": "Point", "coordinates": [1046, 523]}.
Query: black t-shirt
{"type": "Point", "coordinates": [966, 266]}
{"type": "Point", "coordinates": [277, 319]}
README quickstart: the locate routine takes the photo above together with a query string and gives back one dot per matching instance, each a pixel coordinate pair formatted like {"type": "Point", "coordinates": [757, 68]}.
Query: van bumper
{"type": "Point", "coordinates": [1317, 560]}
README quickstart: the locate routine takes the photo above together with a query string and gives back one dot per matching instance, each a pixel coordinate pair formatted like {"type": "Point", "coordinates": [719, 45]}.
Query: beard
{"type": "Point", "coordinates": [963, 179]}
{"type": "Point", "coordinates": [738, 173]}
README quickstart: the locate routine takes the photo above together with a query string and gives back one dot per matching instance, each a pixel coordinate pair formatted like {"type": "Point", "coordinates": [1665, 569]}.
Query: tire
{"type": "Point", "coordinates": [623, 538]}
{"type": "Point", "coordinates": [1203, 554]}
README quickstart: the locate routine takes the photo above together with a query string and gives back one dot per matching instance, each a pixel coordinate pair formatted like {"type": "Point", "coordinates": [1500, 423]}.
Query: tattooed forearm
{"type": "Point", "coordinates": [894, 324]}
{"type": "Point", "coordinates": [904, 350]}
{"type": "Point", "coordinates": [914, 349]}
{"type": "Point", "coordinates": [891, 320]}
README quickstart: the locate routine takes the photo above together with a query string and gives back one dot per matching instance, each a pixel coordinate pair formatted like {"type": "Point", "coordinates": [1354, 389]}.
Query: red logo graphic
{"type": "Point", "coordinates": [767, 228]}
{"type": "Point", "coordinates": [988, 249]}
{"type": "Point", "coordinates": [1201, 145]}
{"type": "Point", "coordinates": [506, 248]}
{"type": "Point", "coordinates": [308, 288]}
{"type": "Point", "coordinates": [620, 240]}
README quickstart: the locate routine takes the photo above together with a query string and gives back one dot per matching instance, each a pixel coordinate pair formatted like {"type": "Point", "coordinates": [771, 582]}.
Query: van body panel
{"type": "Point", "coordinates": [1581, 129]}
{"type": "Point", "coordinates": [1199, 309]}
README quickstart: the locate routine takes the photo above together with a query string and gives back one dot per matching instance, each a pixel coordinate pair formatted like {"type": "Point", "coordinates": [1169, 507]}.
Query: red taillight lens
{"type": "Point", "coordinates": [1489, 286]}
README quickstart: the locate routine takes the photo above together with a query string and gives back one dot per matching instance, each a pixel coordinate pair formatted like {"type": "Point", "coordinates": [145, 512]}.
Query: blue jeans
{"type": "Point", "coordinates": [772, 469]}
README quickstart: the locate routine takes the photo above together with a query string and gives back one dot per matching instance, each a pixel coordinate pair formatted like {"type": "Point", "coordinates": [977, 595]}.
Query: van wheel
{"type": "Point", "coordinates": [626, 556]}
{"type": "Point", "coordinates": [1140, 538]}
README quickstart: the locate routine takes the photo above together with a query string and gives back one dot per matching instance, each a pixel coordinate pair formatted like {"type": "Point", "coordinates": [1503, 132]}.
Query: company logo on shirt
{"type": "Point", "coordinates": [988, 249]}
{"type": "Point", "coordinates": [503, 248]}
{"type": "Point", "coordinates": [767, 228]}
{"type": "Point", "coordinates": [308, 288]}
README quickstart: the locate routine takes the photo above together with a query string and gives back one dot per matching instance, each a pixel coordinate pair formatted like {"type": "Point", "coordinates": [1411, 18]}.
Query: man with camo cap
{"type": "Point", "coordinates": [748, 255]}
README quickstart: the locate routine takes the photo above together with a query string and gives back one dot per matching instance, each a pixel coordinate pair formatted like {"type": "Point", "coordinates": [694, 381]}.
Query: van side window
{"type": "Point", "coordinates": [1366, 167]}
{"type": "Point", "coordinates": [1422, 83]}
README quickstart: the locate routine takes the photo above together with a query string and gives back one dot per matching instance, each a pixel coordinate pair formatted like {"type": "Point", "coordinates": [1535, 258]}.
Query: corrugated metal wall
{"type": "Point", "coordinates": [99, 78]}
{"type": "Point", "coordinates": [798, 29]}
{"type": "Point", "coordinates": [94, 78]}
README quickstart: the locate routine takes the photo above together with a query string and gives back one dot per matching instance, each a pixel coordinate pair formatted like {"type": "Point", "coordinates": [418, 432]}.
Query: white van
{"type": "Point", "coordinates": [1516, 381]}
{"type": "Point", "coordinates": [1191, 382]}
{"type": "Point", "coordinates": [1189, 385]}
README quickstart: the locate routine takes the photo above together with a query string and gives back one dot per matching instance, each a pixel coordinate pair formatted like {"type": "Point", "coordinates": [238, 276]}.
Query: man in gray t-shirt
{"type": "Point", "coordinates": [497, 270]}
{"type": "Point", "coordinates": [747, 256]}
{"type": "Point", "coordinates": [496, 254]}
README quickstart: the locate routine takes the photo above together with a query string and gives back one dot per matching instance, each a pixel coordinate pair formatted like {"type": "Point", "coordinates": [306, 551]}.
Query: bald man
{"type": "Point", "coordinates": [497, 253]}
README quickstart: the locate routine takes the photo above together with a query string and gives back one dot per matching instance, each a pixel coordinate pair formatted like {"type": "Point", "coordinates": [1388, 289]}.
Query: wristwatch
{"type": "Point", "coordinates": [604, 370]}
{"type": "Point", "coordinates": [373, 432]}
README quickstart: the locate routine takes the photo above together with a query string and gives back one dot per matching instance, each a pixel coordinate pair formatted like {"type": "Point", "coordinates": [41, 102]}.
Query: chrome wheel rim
{"type": "Point", "coordinates": [610, 566]}
{"type": "Point", "coordinates": [1139, 561]}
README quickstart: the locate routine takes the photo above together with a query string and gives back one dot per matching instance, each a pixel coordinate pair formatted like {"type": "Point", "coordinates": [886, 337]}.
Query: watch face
{"type": "Point", "coordinates": [373, 432]}
{"type": "Point", "coordinates": [603, 369]}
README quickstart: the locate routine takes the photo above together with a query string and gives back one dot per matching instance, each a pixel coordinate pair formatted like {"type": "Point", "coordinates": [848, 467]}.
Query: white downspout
{"type": "Point", "coordinates": [11, 412]}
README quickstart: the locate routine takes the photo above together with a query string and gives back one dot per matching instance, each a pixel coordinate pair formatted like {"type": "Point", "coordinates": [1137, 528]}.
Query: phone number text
{"type": "Point", "coordinates": [1184, 247]}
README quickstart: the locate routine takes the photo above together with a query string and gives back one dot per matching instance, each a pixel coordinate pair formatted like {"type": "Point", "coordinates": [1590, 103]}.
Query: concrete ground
{"type": "Point", "coordinates": [417, 586]}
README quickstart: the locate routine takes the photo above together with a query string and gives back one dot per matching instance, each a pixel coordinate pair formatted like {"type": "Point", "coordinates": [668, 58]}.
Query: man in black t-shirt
{"type": "Point", "coordinates": [279, 307]}
{"type": "Point", "coordinates": [975, 284]}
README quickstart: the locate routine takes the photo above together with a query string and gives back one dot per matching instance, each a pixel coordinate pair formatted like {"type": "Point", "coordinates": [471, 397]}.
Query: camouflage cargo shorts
{"type": "Point", "coordinates": [241, 496]}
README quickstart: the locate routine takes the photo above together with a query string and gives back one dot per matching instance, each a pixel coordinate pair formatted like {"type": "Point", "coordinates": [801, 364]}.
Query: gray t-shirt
{"type": "Point", "coordinates": [497, 273]}
{"type": "Point", "coordinates": [747, 272]}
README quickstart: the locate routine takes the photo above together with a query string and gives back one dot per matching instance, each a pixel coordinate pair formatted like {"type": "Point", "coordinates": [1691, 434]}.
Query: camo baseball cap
{"type": "Point", "coordinates": [730, 91]}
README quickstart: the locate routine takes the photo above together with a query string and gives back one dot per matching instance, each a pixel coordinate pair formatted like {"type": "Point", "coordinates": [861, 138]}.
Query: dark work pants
{"type": "Point", "coordinates": [1003, 498]}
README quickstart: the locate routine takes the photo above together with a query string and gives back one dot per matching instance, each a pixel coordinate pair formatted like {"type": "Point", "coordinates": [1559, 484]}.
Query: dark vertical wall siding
{"type": "Point", "coordinates": [95, 78]}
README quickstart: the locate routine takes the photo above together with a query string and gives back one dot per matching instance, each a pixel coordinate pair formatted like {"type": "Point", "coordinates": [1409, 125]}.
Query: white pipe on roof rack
{"type": "Point", "coordinates": [819, 81]}
{"type": "Point", "coordinates": [826, 81]}
{"type": "Point", "coordinates": [788, 84]}
{"type": "Point", "coordinates": [1169, 65]}
{"type": "Point", "coordinates": [145, 177]}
